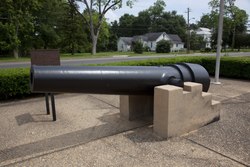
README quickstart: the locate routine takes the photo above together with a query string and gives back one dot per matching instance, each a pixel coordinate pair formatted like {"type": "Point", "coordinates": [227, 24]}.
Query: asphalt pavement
{"type": "Point", "coordinates": [90, 132]}
{"type": "Point", "coordinates": [118, 58]}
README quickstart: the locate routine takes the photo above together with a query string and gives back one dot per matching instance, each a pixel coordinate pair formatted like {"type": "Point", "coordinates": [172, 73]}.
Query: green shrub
{"type": "Point", "coordinates": [146, 49]}
{"type": "Point", "coordinates": [163, 46]}
{"type": "Point", "coordinates": [14, 83]}
{"type": "Point", "coordinates": [208, 50]}
{"type": "Point", "coordinates": [138, 47]}
{"type": "Point", "coordinates": [231, 67]}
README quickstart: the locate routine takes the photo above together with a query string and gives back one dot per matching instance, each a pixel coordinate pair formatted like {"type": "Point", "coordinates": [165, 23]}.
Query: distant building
{"type": "Point", "coordinates": [248, 27]}
{"type": "Point", "coordinates": [206, 34]}
{"type": "Point", "coordinates": [124, 44]}
{"type": "Point", "coordinates": [150, 40]}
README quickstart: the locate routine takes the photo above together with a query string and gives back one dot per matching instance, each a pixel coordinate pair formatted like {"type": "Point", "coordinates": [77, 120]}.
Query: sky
{"type": "Point", "coordinates": [198, 8]}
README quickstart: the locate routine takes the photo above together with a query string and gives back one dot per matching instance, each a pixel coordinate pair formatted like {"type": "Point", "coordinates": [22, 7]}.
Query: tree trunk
{"type": "Point", "coordinates": [94, 43]}
{"type": "Point", "coordinates": [233, 38]}
{"type": "Point", "coordinates": [15, 52]}
{"type": "Point", "coordinates": [72, 48]}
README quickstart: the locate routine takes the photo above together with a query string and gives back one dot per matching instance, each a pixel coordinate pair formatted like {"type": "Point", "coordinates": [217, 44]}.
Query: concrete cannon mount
{"type": "Point", "coordinates": [175, 110]}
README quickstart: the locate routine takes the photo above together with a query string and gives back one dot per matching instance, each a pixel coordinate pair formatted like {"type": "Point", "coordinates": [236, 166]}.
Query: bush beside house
{"type": "Point", "coordinates": [138, 47]}
{"type": "Point", "coordinates": [163, 46]}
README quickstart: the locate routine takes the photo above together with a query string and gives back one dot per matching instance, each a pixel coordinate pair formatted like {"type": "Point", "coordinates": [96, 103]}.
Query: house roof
{"type": "Point", "coordinates": [203, 31]}
{"type": "Point", "coordinates": [139, 37]}
{"type": "Point", "coordinates": [153, 36]}
{"type": "Point", "coordinates": [146, 37]}
{"type": "Point", "coordinates": [127, 40]}
{"type": "Point", "coordinates": [175, 39]}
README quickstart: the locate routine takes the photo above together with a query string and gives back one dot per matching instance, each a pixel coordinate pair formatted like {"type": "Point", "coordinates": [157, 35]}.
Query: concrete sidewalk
{"type": "Point", "coordinates": [90, 132]}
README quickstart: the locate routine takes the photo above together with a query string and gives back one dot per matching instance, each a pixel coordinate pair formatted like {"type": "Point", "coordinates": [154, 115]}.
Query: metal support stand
{"type": "Point", "coordinates": [47, 103]}
{"type": "Point", "coordinates": [52, 105]}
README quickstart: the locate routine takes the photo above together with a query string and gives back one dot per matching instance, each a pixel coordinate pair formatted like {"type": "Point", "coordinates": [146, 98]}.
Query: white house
{"type": "Point", "coordinates": [177, 44]}
{"type": "Point", "coordinates": [206, 34]}
{"type": "Point", "coordinates": [150, 40]}
{"type": "Point", "coordinates": [124, 44]}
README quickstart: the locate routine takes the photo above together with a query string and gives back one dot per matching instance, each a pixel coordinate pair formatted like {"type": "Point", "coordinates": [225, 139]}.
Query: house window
{"type": "Point", "coordinates": [151, 44]}
{"type": "Point", "coordinates": [177, 45]}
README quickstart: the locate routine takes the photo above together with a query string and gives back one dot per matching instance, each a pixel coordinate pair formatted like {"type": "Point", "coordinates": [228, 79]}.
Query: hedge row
{"type": "Point", "coordinates": [14, 83]}
{"type": "Point", "coordinates": [231, 67]}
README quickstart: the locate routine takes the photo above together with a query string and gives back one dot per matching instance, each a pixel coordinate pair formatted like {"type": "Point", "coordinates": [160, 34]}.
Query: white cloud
{"type": "Point", "coordinates": [244, 4]}
{"type": "Point", "coordinates": [111, 16]}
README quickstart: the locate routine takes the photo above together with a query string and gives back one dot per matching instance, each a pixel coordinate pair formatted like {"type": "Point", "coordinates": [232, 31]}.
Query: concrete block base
{"type": "Point", "coordinates": [180, 110]}
{"type": "Point", "coordinates": [175, 110]}
{"type": "Point", "coordinates": [134, 107]}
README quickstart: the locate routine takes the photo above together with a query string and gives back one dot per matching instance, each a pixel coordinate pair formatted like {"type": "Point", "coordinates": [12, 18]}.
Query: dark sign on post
{"type": "Point", "coordinates": [43, 57]}
{"type": "Point", "coordinates": [46, 57]}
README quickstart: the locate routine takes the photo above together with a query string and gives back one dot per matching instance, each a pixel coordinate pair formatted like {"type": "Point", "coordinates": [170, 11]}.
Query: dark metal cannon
{"type": "Point", "coordinates": [129, 80]}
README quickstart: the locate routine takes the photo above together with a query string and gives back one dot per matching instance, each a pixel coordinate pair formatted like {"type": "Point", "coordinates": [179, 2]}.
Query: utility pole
{"type": "Point", "coordinates": [219, 42]}
{"type": "Point", "coordinates": [188, 31]}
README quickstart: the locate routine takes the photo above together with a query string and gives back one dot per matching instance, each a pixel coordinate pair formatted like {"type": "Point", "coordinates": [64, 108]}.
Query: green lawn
{"type": "Point", "coordinates": [104, 54]}
{"type": "Point", "coordinates": [99, 55]}
{"type": "Point", "coordinates": [12, 59]}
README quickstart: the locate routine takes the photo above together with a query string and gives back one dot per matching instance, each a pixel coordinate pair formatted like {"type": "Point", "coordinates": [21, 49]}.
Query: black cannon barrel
{"type": "Point", "coordinates": [121, 80]}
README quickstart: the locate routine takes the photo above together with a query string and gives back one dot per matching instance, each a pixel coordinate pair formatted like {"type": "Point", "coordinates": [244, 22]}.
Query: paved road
{"type": "Point", "coordinates": [114, 59]}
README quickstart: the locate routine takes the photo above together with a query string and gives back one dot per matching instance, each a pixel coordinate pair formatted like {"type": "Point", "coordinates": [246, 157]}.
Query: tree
{"type": "Point", "coordinates": [163, 46]}
{"type": "Point", "coordinates": [155, 19]}
{"type": "Point", "coordinates": [237, 18]}
{"type": "Point", "coordinates": [242, 40]}
{"type": "Point", "coordinates": [103, 39]}
{"type": "Point", "coordinates": [156, 12]}
{"type": "Point", "coordinates": [126, 25]}
{"type": "Point", "coordinates": [196, 42]}
{"type": "Point", "coordinates": [113, 37]}
{"type": "Point", "coordinates": [73, 37]}
{"type": "Point", "coordinates": [33, 24]}
{"type": "Point", "coordinates": [16, 20]}
{"type": "Point", "coordinates": [239, 21]}
{"type": "Point", "coordinates": [48, 24]}
{"type": "Point", "coordinates": [141, 23]}
{"type": "Point", "coordinates": [208, 20]}
{"type": "Point", "coordinates": [174, 24]}
{"type": "Point", "coordinates": [100, 7]}
{"type": "Point", "coordinates": [148, 20]}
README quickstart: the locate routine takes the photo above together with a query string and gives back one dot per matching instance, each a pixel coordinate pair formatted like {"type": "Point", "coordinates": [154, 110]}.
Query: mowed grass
{"type": "Point", "coordinates": [65, 56]}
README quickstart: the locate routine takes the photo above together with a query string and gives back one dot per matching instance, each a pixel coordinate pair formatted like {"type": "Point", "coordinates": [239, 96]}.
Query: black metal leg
{"type": "Point", "coordinates": [47, 103]}
{"type": "Point", "coordinates": [53, 106]}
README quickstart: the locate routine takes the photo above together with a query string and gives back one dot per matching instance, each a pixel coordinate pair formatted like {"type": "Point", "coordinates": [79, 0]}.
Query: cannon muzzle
{"type": "Point", "coordinates": [125, 80]}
